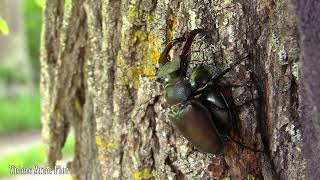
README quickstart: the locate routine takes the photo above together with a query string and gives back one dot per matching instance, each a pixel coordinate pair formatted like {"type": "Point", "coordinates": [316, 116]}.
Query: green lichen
{"type": "Point", "coordinates": [141, 175]}
{"type": "Point", "coordinates": [133, 12]}
{"type": "Point", "coordinates": [150, 18]}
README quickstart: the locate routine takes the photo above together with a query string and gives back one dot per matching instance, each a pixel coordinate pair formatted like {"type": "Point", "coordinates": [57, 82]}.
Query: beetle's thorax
{"type": "Point", "coordinates": [177, 90]}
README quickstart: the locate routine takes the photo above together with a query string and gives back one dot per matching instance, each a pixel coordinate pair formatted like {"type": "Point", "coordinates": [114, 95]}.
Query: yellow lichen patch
{"type": "Point", "coordinates": [150, 18]}
{"type": "Point", "coordinates": [99, 141]}
{"type": "Point", "coordinates": [149, 72]}
{"type": "Point", "coordinates": [107, 133]}
{"type": "Point", "coordinates": [173, 27]}
{"type": "Point", "coordinates": [141, 175]}
{"type": "Point", "coordinates": [124, 68]}
{"type": "Point", "coordinates": [103, 157]}
{"type": "Point", "coordinates": [138, 36]}
{"type": "Point", "coordinates": [133, 15]}
{"type": "Point", "coordinates": [154, 57]}
{"type": "Point", "coordinates": [152, 52]}
{"type": "Point", "coordinates": [251, 177]}
{"type": "Point", "coordinates": [140, 46]}
{"type": "Point", "coordinates": [147, 53]}
{"type": "Point", "coordinates": [110, 144]}
{"type": "Point", "coordinates": [135, 73]}
{"type": "Point", "coordinates": [133, 12]}
{"type": "Point", "coordinates": [104, 146]}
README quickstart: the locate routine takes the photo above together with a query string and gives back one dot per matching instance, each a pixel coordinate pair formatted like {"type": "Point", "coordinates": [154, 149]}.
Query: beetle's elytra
{"type": "Point", "coordinates": [198, 106]}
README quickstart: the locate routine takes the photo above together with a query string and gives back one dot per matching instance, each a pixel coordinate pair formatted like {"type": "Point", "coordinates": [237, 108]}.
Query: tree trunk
{"type": "Point", "coordinates": [94, 56]}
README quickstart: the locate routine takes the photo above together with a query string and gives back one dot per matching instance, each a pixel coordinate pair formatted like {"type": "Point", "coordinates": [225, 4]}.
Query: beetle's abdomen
{"type": "Point", "coordinates": [177, 92]}
{"type": "Point", "coordinates": [216, 103]}
{"type": "Point", "coordinates": [194, 122]}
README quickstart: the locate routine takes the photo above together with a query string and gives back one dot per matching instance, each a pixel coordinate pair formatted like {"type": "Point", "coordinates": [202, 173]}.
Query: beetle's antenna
{"type": "Point", "coordinates": [144, 75]}
{"type": "Point", "coordinates": [221, 74]}
{"type": "Point", "coordinates": [245, 146]}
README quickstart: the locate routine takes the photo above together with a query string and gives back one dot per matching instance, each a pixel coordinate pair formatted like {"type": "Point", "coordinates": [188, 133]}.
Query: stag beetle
{"type": "Point", "coordinates": [199, 106]}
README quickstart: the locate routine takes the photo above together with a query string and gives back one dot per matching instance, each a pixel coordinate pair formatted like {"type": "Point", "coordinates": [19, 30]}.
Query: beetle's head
{"type": "Point", "coordinates": [177, 88]}
{"type": "Point", "coordinates": [169, 71]}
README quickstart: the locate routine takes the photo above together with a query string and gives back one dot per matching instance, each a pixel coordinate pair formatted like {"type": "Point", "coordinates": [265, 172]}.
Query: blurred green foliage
{"type": "Point", "coordinates": [19, 113]}
{"type": "Point", "coordinates": [35, 155]}
{"type": "Point", "coordinates": [4, 28]}
{"type": "Point", "coordinates": [67, 4]}
{"type": "Point", "coordinates": [33, 24]}
{"type": "Point", "coordinates": [40, 3]}
{"type": "Point", "coordinates": [9, 74]}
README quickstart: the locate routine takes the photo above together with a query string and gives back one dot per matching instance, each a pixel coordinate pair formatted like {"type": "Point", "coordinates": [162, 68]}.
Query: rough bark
{"type": "Point", "coordinates": [93, 56]}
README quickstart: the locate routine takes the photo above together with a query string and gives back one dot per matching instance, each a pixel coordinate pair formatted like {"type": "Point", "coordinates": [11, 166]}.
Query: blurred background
{"type": "Point", "coordinates": [20, 124]}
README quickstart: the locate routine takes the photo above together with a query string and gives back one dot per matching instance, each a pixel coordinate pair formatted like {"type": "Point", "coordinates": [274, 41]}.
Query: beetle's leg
{"type": "Point", "coordinates": [163, 59]}
{"type": "Point", "coordinates": [251, 98]}
{"type": "Point", "coordinates": [247, 102]}
{"type": "Point", "coordinates": [226, 91]}
{"type": "Point", "coordinates": [246, 146]}
{"type": "Point", "coordinates": [228, 85]}
{"type": "Point", "coordinates": [183, 56]}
